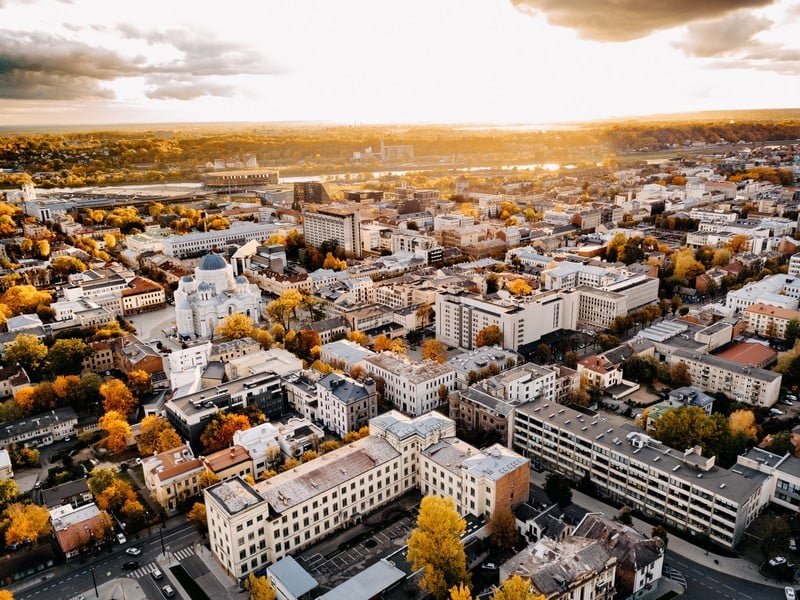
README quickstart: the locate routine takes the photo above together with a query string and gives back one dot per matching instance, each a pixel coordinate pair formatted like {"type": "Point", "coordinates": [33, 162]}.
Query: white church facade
{"type": "Point", "coordinates": [202, 301]}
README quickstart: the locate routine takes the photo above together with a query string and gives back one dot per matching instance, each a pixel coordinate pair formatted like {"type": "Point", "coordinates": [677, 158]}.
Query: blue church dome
{"type": "Point", "coordinates": [212, 262]}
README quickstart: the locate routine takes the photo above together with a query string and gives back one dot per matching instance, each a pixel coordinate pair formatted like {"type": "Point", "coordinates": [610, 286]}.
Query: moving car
{"type": "Point", "coordinates": [789, 593]}
{"type": "Point", "coordinates": [777, 561]}
{"type": "Point", "coordinates": [130, 565]}
{"type": "Point", "coordinates": [775, 411]}
{"type": "Point", "coordinates": [156, 574]}
{"type": "Point", "coordinates": [133, 551]}
{"type": "Point", "coordinates": [121, 538]}
{"type": "Point", "coordinates": [168, 591]}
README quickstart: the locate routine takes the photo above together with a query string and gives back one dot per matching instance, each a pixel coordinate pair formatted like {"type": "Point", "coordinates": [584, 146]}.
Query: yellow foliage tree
{"type": "Point", "coordinates": [117, 397]}
{"type": "Point", "coordinates": [516, 588]}
{"type": "Point", "coordinates": [156, 434]}
{"type": "Point", "coordinates": [384, 343]}
{"type": "Point", "coordinates": [25, 522]}
{"type": "Point", "coordinates": [117, 430]}
{"type": "Point", "coordinates": [331, 262]}
{"type": "Point", "coordinates": [110, 241]}
{"type": "Point", "coordinates": [27, 351]}
{"type": "Point", "coordinates": [743, 422]}
{"type": "Point", "coordinates": [435, 546]}
{"type": "Point", "coordinates": [358, 337]}
{"type": "Point", "coordinates": [686, 265]}
{"type": "Point", "coordinates": [460, 592]}
{"type": "Point", "coordinates": [43, 248]}
{"type": "Point", "coordinates": [722, 256]}
{"type": "Point", "coordinates": [197, 517]}
{"type": "Point", "coordinates": [6, 595]}
{"type": "Point", "coordinates": [22, 299]}
{"type": "Point", "coordinates": [519, 287]}
{"type": "Point", "coordinates": [236, 326]}
{"type": "Point", "coordinates": [738, 243]}
{"type": "Point", "coordinates": [207, 478]}
{"type": "Point", "coordinates": [260, 588]}
{"type": "Point", "coordinates": [434, 350]}
{"type": "Point", "coordinates": [489, 336]}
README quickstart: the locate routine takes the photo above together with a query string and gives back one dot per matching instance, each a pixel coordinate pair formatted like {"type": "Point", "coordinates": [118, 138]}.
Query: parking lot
{"type": "Point", "coordinates": [338, 559]}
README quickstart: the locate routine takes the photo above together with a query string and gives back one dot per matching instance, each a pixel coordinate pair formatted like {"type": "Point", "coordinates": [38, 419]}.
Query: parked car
{"type": "Point", "coordinates": [156, 574]}
{"type": "Point", "coordinates": [121, 538]}
{"type": "Point", "coordinates": [777, 561]}
{"type": "Point", "coordinates": [130, 565]}
{"type": "Point", "coordinates": [789, 593]}
{"type": "Point", "coordinates": [138, 461]}
{"type": "Point", "coordinates": [490, 566]}
{"type": "Point", "coordinates": [793, 544]}
{"type": "Point", "coordinates": [168, 591]}
{"type": "Point", "coordinates": [775, 411]}
{"type": "Point", "coordinates": [133, 551]}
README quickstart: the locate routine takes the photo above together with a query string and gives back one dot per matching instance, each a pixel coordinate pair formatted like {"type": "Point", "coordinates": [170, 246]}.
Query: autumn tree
{"type": "Point", "coordinates": [384, 343]}
{"type": "Point", "coordinates": [358, 337]}
{"type": "Point", "coordinates": [516, 588]}
{"type": "Point", "coordinates": [435, 546]}
{"type": "Point", "coordinates": [688, 426]}
{"type": "Point", "coordinates": [218, 434]}
{"type": "Point", "coordinates": [26, 351]}
{"type": "Point", "coordinates": [116, 495]}
{"type": "Point", "coordinates": [289, 464]}
{"type": "Point", "coordinates": [65, 356]}
{"type": "Point", "coordinates": [8, 491]}
{"type": "Point", "coordinates": [460, 592]}
{"type": "Point", "coordinates": [328, 446]}
{"type": "Point", "coordinates": [738, 243]}
{"type": "Point", "coordinates": [503, 528]}
{"type": "Point", "coordinates": [679, 375]}
{"type": "Point", "coordinates": [235, 327]}
{"type": "Point", "coordinates": [25, 523]}
{"type": "Point", "coordinates": [743, 422]}
{"type": "Point", "coordinates": [133, 513]}
{"type": "Point", "coordinates": [117, 431]}
{"type": "Point", "coordinates": [100, 479]}
{"type": "Point", "coordinates": [207, 479]}
{"type": "Point", "coordinates": [489, 336]}
{"type": "Point", "coordinates": [63, 266]}
{"type": "Point", "coordinates": [434, 350]}
{"type": "Point", "coordinates": [686, 265]}
{"type": "Point", "coordinates": [6, 595]}
{"type": "Point", "coordinates": [117, 397]}
{"type": "Point", "coordinates": [558, 489]}
{"type": "Point", "coordinates": [519, 287]}
{"type": "Point", "coordinates": [197, 517]}
{"type": "Point", "coordinates": [722, 256]}
{"type": "Point", "coordinates": [284, 308]}
{"type": "Point", "coordinates": [156, 434]}
{"type": "Point", "coordinates": [24, 299]}
{"type": "Point", "coordinates": [260, 588]}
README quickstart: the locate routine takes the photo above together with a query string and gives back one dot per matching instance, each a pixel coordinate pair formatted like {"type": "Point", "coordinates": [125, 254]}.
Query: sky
{"type": "Point", "coordinates": [390, 61]}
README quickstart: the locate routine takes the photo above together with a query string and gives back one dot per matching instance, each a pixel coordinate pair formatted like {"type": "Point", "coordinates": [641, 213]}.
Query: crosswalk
{"type": "Point", "coordinates": [145, 570]}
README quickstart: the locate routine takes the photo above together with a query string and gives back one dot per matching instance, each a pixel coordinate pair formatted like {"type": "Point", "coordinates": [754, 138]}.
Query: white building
{"type": "Point", "coordinates": [779, 290]}
{"type": "Point", "coordinates": [261, 443]}
{"type": "Point", "coordinates": [345, 404]}
{"type": "Point", "coordinates": [333, 224]}
{"type": "Point", "coordinates": [413, 387]}
{"type": "Point", "coordinates": [199, 243]}
{"type": "Point", "coordinates": [204, 300]}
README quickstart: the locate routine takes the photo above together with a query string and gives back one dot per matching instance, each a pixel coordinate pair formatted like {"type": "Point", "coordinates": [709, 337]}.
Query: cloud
{"type": "Point", "coordinates": [48, 66]}
{"type": "Point", "coordinates": [724, 36]}
{"type": "Point", "coordinates": [626, 20]}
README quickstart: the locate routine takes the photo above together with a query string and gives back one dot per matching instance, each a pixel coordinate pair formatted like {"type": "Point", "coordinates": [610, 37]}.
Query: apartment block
{"type": "Point", "coordinates": [41, 429]}
{"type": "Point", "coordinates": [682, 488]}
{"type": "Point", "coordinates": [742, 383]}
{"type": "Point", "coordinates": [769, 321]}
{"type": "Point", "coordinates": [345, 404]}
{"type": "Point", "coordinates": [173, 477]}
{"type": "Point", "coordinates": [341, 225]}
{"type": "Point", "coordinates": [413, 387]}
{"type": "Point", "coordinates": [142, 295]}
{"type": "Point", "coordinates": [202, 242]}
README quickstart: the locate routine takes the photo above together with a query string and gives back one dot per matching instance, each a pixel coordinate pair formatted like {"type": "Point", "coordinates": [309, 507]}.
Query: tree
{"type": "Point", "coordinates": [26, 351]}
{"type": "Point", "coordinates": [722, 256]}
{"type": "Point", "coordinates": [289, 464]}
{"type": "Point", "coordinates": [207, 479]}
{"type": "Point", "coordinates": [139, 382]}
{"type": "Point", "coordinates": [117, 431]}
{"type": "Point", "coordinates": [63, 266]}
{"type": "Point", "coordinates": [6, 595]}
{"type": "Point", "coordinates": [117, 397]}
{"type": "Point", "coordinates": [489, 336]}
{"type": "Point", "coordinates": [218, 434]}
{"type": "Point", "coordinates": [460, 592]}
{"type": "Point", "coordinates": [359, 338]}
{"type": "Point", "coordinates": [116, 495]}
{"type": "Point", "coordinates": [641, 369]}
{"type": "Point", "coordinates": [660, 531]}
{"type": "Point", "coordinates": [516, 588]}
{"type": "Point", "coordinates": [8, 491]}
{"type": "Point", "coordinates": [197, 517]}
{"type": "Point", "coordinates": [492, 284]}
{"type": "Point", "coordinates": [435, 546]}
{"type": "Point", "coordinates": [384, 343]}
{"type": "Point", "coordinates": [282, 309]}
{"type": "Point", "coordinates": [679, 375]}
{"type": "Point", "coordinates": [743, 422]}
{"type": "Point", "coordinates": [25, 523]}
{"type": "Point", "coordinates": [260, 588]}
{"type": "Point", "coordinates": [24, 299]}
{"type": "Point", "coordinates": [738, 243]}
{"type": "Point", "coordinates": [688, 426]}
{"type": "Point", "coordinates": [558, 489]}
{"type": "Point", "coordinates": [792, 332]}
{"type": "Point", "coordinates": [519, 287]}
{"type": "Point", "coordinates": [544, 353]}
{"type": "Point", "coordinates": [100, 480]}
{"type": "Point", "coordinates": [156, 434]}
{"type": "Point", "coordinates": [331, 262]}
{"type": "Point", "coordinates": [607, 341]}
{"type": "Point", "coordinates": [686, 266]}
{"type": "Point", "coordinates": [624, 516]}
{"type": "Point", "coordinates": [235, 327]}
{"type": "Point", "coordinates": [503, 528]}
{"type": "Point", "coordinates": [133, 513]}
{"type": "Point", "coordinates": [65, 356]}
{"type": "Point", "coordinates": [434, 350]}
{"type": "Point", "coordinates": [571, 359]}
{"type": "Point", "coordinates": [781, 443]}
{"type": "Point", "coordinates": [328, 446]}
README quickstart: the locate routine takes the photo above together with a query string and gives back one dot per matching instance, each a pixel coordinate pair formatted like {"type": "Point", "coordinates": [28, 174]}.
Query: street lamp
{"type": "Point", "coordinates": [161, 535]}
{"type": "Point", "coordinates": [94, 581]}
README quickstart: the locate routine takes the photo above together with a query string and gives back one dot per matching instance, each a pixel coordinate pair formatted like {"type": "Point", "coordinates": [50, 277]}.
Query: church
{"type": "Point", "coordinates": [202, 301]}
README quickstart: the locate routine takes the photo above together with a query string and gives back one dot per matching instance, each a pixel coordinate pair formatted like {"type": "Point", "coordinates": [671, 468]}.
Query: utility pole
{"type": "Point", "coordinates": [94, 582]}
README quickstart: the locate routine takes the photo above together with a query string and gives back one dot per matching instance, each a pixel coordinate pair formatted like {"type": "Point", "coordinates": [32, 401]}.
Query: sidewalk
{"type": "Point", "coordinates": [735, 567]}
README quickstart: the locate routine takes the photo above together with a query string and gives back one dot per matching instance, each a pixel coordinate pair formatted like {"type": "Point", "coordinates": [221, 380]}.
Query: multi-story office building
{"type": "Point", "coordinates": [768, 320]}
{"type": "Point", "coordinates": [413, 387]}
{"type": "Point", "coordinates": [345, 404]}
{"type": "Point", "coordinates": [742, 383]}
{"type": "Point", "coordinates": [251, 526]}
{"type": "Point", "coordinates": [684, 489]}
{"type": "Point", "coordinates": [199, 243]}
{"type": "Point", "coordinates": [243, 178]}
{"type": "Point", "coordinates": [783, 485]}
{"type": "Point", "coordinates": [460, 317]}
{"type": "Point", "coordinates": [794, 265]}
{"type": "Point", "coordinates": [599, 308]}
{"type": "Point", "coordinates": [341, 225]}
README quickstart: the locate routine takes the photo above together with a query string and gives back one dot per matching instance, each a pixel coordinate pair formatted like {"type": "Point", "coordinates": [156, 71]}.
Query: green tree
{"type": "Point", "coordinates": [435, 546]}
{"type": "Point", "coordinates": [26, 351]}
{"type": "Point", "coordinates": [688, 426]}
{"type": "Point", "coordinates": [65, 356]}
{"type": "Point", "coordinates": [781, 443]}
{"type": "Point", "coordinates": [558, 489]}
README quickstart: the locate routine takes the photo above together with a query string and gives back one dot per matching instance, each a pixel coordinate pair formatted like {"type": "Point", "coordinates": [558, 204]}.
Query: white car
{"type": "Point", "coordinates": [789, 592]}
{"type": "Point", "coordinates": [775, 411]}
{"type": "Point", "coordinates": [777, 561]}
{"type": "Point", "coordinates": [121, 538]}
{"type": "Point", "coordinates": [133, 551]}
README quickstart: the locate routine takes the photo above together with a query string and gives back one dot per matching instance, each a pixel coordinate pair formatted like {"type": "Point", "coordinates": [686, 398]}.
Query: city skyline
{"type": "Point", "coordinates": [526, 61]}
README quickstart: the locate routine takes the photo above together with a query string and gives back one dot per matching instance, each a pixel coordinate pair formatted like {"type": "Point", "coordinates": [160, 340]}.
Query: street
{"type": "Point", "coordinates": [703, 583]}
{"type": "Point", "coordinates": [178, 541]}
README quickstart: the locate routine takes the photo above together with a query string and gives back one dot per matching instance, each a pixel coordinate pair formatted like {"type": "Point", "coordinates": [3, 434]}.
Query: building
{"type": "Point", "coordinates": [202, 242]}
{"type": "Point", "coordinates": [573, 569]}
{"type": "Point", "coordinates": [742, 383]}
{"type": "Point", "coordinates": [794, 265]}
{"type": "Point", "coordinates": [132, 354]}
{"type": "Point", "coordinates": [290, 581]}
{"type": "Point", "coordinates": [262, 446]}
{"type": "Point", "coordinates": [191, 413]}
{"type": "Point", "coordinates": [142, 295]}
{"type": "Point", "coordinates": [74, 493]}
{"type": "Point", "coordinates": [173, 477]}
{"type": "Point", "coordinates": [345, 404]}
{"type": "Point", "coordinates": [469, 365]}
{"type": "Point", "coordinates": [412, 387]}
{"type": "Point", "coordinates": [275, 360]}
{"type": "Point", "coordinates": [39, 430]}
{"type": "Point", "coordinates": [681, 488]}
{"type": "Point", "coordinates": [81, 528]}
{"type": "Point", "coordinates": [251, 526]}
{"type": "Point", "coordinates": [6, 468]}
{"type": "Point", "coordinates": [298, 436]}
{"type": "Point", "coordinates": [599, 372]}
{"type": "Point", "coordinates": [779, 290]}
{"type": "Point", "coordinates": [12, 379]}
{"type": "Point", "coordinates": [203, 301]}
{"type": "Point", "coordinates": [101, 359]}
{"type": "Point", "coordinates": [770, 321]}
{"type": "Point", "coordinates": [239, 179]}
{"type": "Point", "coordinates": [783, 484]}
{"type": "Point", "coordinates": [230, 462]}
{"type": "Point", "coordinates": [341, 225]}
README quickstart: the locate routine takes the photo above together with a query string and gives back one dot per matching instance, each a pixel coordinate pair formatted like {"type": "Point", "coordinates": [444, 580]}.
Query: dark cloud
{"type": "Point", "coordinates": [37, 65]}
{"type": "Point", "coordinates": [625, 20]}
{"type": "Point", "coordinates": [723, 36]}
